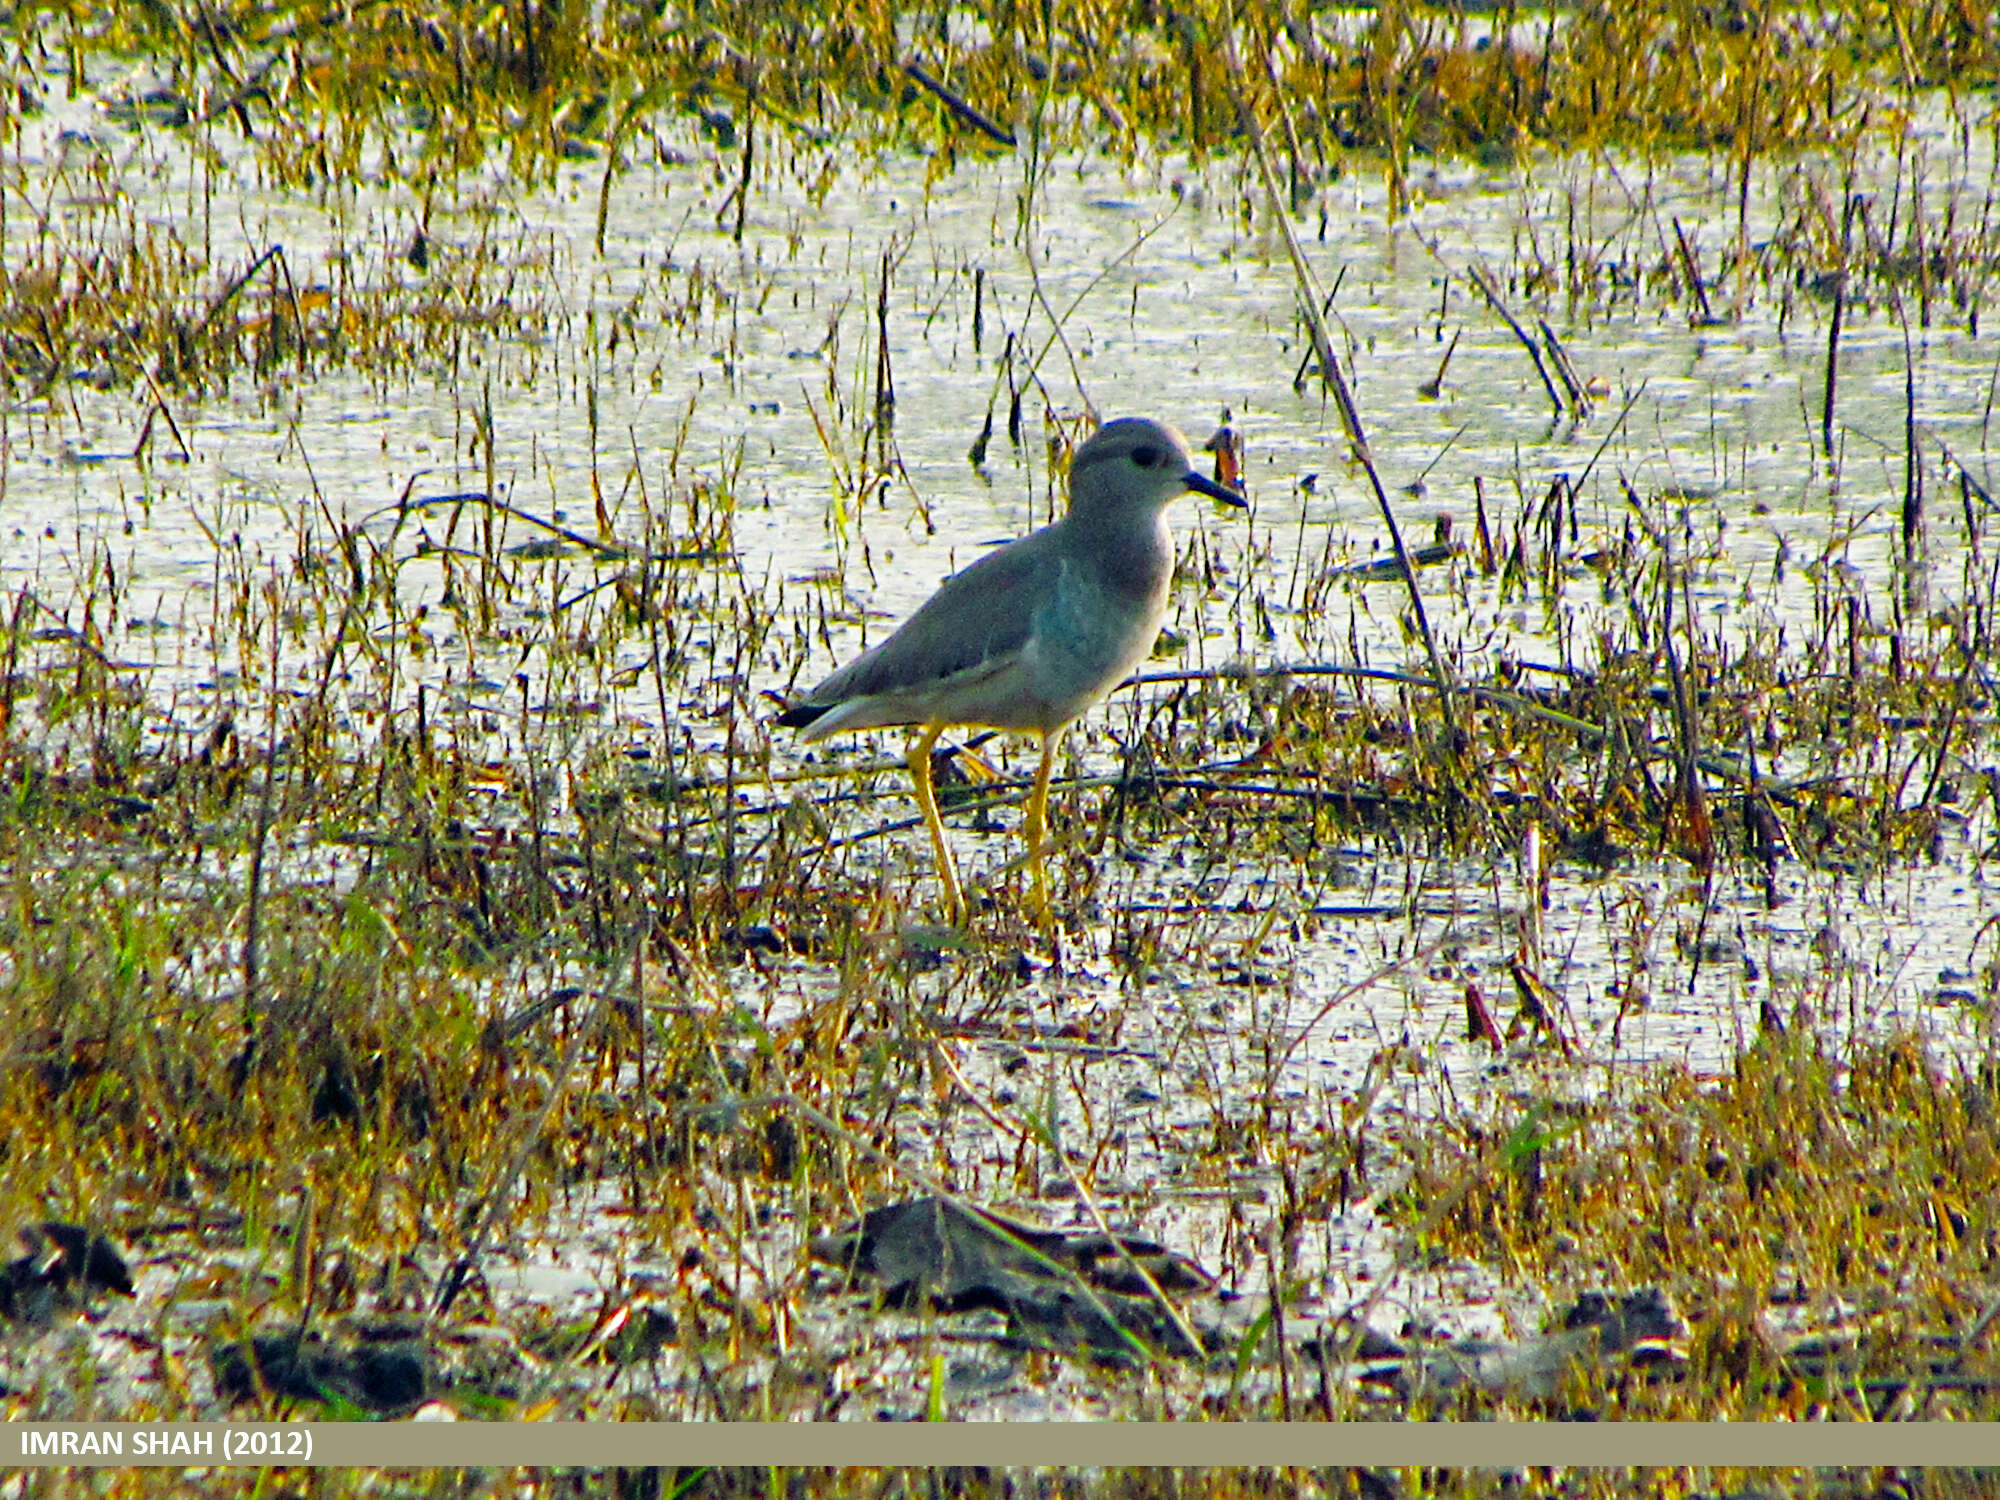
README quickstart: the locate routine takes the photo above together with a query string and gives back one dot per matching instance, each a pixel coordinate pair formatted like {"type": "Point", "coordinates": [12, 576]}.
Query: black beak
{"type": "Point", "coordinates": [1201, 484]}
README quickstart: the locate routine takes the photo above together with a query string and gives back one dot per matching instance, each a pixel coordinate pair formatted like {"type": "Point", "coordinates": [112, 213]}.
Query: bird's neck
{"type": "Point", "coordinates": [1108, 550]}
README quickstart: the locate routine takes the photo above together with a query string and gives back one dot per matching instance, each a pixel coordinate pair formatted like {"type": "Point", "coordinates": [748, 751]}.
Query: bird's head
{"type": "Point", "coordinates": [1137, 461]}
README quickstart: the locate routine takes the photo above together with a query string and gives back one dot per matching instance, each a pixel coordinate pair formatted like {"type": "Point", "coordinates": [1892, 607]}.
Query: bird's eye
{"type": "Point", "coordinates": [1146, 457]}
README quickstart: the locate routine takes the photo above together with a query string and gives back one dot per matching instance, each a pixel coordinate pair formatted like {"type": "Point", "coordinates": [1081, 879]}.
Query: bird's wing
{"type": "Point", "coordinates": [978, 620]}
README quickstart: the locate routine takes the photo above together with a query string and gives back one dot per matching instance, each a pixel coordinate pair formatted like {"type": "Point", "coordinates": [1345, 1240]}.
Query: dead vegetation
{"type": "Point", "coordinates": [452, 907]}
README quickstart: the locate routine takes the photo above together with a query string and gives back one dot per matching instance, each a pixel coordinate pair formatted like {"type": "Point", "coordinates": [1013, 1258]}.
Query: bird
{"type": "Point", "coordinates": [1033, 633]}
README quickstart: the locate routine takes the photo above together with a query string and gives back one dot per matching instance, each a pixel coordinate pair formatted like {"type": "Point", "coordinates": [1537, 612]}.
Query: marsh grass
{"type": "Point", "coordinates": [423, 98]}
{"type": "Point", "coordinates": [324, 1002]}
{"type": "Point", "coordinates": [339, 988]}
{"type": "Point", "coordinates": [1842, 1194]}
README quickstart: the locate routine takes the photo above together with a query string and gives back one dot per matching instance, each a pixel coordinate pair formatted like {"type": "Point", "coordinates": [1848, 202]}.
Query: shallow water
{"type": "Point", "coordinates": [737, 397]}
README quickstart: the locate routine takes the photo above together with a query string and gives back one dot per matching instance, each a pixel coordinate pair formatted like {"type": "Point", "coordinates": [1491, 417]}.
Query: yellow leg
{"type": "Point", "coordinates": [920, 773]}
{"type": "Point", "coordinates": [1038, 824]}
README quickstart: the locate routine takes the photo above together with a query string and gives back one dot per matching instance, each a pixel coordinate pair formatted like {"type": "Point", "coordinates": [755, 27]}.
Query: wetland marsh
{"type": "Point", "coordinates": [420, 491]}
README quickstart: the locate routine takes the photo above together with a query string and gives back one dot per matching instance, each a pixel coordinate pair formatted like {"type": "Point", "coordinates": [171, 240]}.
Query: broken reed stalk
{"type": "Point", "coordinates": [1310, 299]}
{"type": "Point", "coordinates": [160, 405]}
{"type": "Point", "coordinates": [1913, 468]}
{"type": "Point", "coordinates": [1833, 325]}
{"type": "Point", "coordinates": [602, 550]}
{"type": "Point", "coordinates": [965, 112]}
{"type": "Point", "coordinates": [228, 294]}
{"type": "Point", "coordinates": [1579, 398]}
{"type": "Point", "coordinates": [489, 531]}
{"type": "Point", "coordinates": [1492, 295]}
{"type": "Point", "coordinates": [749, 154]}
{"type": "Point", "coordinates": [885, 379]}
{"type": "Point", "coordinates": [254, 906]}
{"type": "Point", "coordinates": [1960, 697]}
{"type": "Point", "coordinates": [253, 918]}
{"type": "Point", "coordinates": [1691, 269]}
{"type": "Point", "coordinates": [1312, 349]}
{"type": "Point", "coordinates": [1699, 828]}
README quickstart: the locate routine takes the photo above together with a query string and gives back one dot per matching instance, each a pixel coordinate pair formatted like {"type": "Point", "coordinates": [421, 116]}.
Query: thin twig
{"type": "Point", "coordinates": [485, 1210]}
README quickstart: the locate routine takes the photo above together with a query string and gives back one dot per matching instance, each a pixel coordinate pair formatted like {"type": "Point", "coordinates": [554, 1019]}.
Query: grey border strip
{"type": "Point", "coordinates": [1001, 1444]}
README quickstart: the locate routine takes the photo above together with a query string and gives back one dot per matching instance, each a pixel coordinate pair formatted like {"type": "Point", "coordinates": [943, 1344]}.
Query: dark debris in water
{"type": "Point", "coordinates": [383, 949]}
{"type": "Point", "coordinates": [1642, 1330]}
{"type": "Point", "coordinates": [385, 1375]}
{"type": "Point", "coordinates": [62, 1264]}
{"type": "Point", "coordinates": [1083, 1292]}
